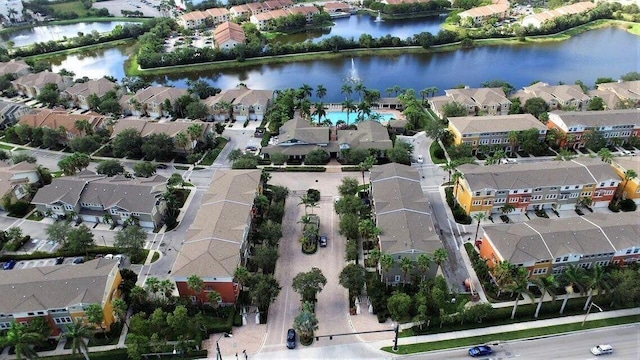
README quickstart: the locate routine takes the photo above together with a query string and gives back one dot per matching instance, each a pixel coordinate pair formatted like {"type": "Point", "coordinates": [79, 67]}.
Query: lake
{"type": "Point", "coordinates": [36, 34]}
{"type": "Point", "coordinates": [607, 52]}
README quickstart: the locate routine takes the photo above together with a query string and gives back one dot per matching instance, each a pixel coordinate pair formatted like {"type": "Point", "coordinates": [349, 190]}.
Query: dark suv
{"type": "Point", "coordinates": [291, 339]}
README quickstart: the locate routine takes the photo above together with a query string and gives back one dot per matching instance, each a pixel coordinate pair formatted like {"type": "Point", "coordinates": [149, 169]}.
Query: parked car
{"type": "Point", "coordinates": [420, 159]}
{"type": "Point", "coordinates": [323, 241]}
{"type": "Point", "coordinates": [161, 166]}
{"type": "Point", "coordinates": [77, 261]}
{"type": "Point", "coordinates": [9, 265]}
{"type": "Point", "coordinates": [481, 350]}
{"type": "Point", "coordinates": [602, 349]}
{"type": "Point", "coordinates": [291, 339]}
{"type": "Point", "coordinates": [59, 260]}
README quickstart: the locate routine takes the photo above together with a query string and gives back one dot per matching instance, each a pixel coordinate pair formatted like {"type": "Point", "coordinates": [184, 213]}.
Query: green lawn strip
{"type": "Point", "coordinates": [434, 146]}
{"type": "Point", "coordinates": [72, 6]}
{"type": "Point", "coordinates": [512, 335]}
{"type": "Point", "coordinates": [6, 147]}
{"type": "Point", "coordinates": [70, 51]}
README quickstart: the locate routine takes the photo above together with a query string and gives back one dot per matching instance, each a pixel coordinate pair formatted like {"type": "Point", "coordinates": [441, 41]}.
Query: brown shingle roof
{"type": "Point", "coordinates": [99, 87]}
{"type": "Point", "coordinates": [369, 135]}
{"type": "Point", "coordinates": [498, 123]}
{"type": "Point", "coordinates": [55, 119]}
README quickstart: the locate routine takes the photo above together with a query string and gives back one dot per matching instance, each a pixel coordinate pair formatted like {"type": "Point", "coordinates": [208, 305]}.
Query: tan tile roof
{"type": "Point", "coordinates": [304, 10]}
{"type": "Point", "coordinates": [158, 94]}
{"type": "Point", "coordinates": [241, 95]}
{"type": "Point", "coordinates": [402, 212]}
{"type": "Point", "coordinates": [301, 129]}
{"type": "Point", "coordinates": [546, 239]}
{"type": "Point", "coordinates": [55, 119]}
{"type": "Point", "coordinates": [212, 243]}
{"type": "Point", "coordinates": [495, 123]}
{"type": "Point", "coordinates": [13, 66]}
{"type": "Point", "coordinates": [40, 79]}
{"type": "Point", "coordinates": [54, 287]}
{"type": "Point", "coordinates": [610, 98]}
{"type": "Point", "coordinates": [486, 11]}
{"type": "Point", "coordinates": [624, 89]}
{"type": "Point", "coordinates": [597, 118]}
{"type": "Point", "coordinates": [217, 12]}
{"type": "Point", "coordinates": [147, 128]}
{"type": "Point", "coordinates": [369, 135]}
{"type": "Point", "coordinates": [559, 92]}
{"type": "Point", "coordinates": [99, 87]}
{"type": "Point", "coordinates": [579, 171]}
{"type": "Point", "coordinates": [576, 8]}
{"type": "Point", "coordinates": [228, 31]}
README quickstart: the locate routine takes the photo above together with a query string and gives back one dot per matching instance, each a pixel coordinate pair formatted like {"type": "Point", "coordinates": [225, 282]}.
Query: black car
{"type": "Point", "coordinates": [59, 260]}
{"type": "Point", "coordinates": [291, 339]}
{"type": "Point", "coordinates": [323, 241]}
{"type": "Point", "coordinates": [161, 166]}
{"type": "Point", "coordinates": [9, 265]}
{"type": "Point", "coordinates": [77, 261]}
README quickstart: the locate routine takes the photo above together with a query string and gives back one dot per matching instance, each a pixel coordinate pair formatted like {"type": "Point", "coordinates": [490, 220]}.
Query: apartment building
{"type": "Point", "coordinates": [548, 246]}
{"type": "Point", "coordinates": [196, 19]}
{"type": "Point", "coordinates": [558, 185]}
{"type": "Point", "coordinates": [628, 189]}
{"type": "Point", "coordinates": [557, 97]}
{"type": "Point", "coordinates": [477, 101]}
{"type": "Point", "coordinates": [493, 131]}
{"type": "Point", "coordinates": [613, 124]}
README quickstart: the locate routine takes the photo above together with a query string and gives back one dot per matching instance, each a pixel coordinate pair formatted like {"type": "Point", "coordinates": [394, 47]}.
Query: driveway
{"type": "Point", "coordinates": [332, 306]}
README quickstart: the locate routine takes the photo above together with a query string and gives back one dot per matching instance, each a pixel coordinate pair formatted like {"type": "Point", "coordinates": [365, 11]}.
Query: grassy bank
{"type": "Point", "coordinates": [108, 44]}
{"type": "Point", "coordinates": [11, 29]}
{"type": "Point", "coordinates": [513, 335]}
{"type": "Point", "coordinates": [132, 68]}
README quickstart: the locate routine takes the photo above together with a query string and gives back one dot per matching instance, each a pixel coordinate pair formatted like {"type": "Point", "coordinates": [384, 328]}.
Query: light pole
{"type": "Point", "coordinates": [218, 355]}
{"type": "Point", "coordinates": [589, 310]}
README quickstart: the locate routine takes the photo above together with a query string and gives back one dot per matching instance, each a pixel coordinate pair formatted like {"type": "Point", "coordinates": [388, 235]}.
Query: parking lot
{"type": "Point", "coordinates": [148, 8]}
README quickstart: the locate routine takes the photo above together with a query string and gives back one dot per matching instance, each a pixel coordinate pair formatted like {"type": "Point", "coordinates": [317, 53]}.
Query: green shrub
{"type": "Point", "coordinates": [265, 138]}
{"type": "Point", "coordinates": [439, 153]}
{"type": "Point", "coordinates": [628, 205]}
{"type": "Point", "coordinates": [296, 168]}
{"type": "Point", "coordinates": [350, 168]}
{"type": "Point", "coordinates": [614, 207]}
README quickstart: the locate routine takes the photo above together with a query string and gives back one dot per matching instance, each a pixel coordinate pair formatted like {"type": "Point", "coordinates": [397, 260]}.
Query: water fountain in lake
{"type": "Point", "coordinates": [353, 76]}
{"type": "Point", "coordinates": [379, 17]}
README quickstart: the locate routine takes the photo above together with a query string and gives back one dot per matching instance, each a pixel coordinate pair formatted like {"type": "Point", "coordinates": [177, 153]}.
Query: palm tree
{"type": "Point", "coordinates": [375, 255]}
{"type": "Point", "coordinates": [79, 334]}
{"type": "Point", "coordinates": [308, 203]}
{"type": "Point", "coordinates": [368, 229]}
{"type": "Point", "coordinates": [214, 299]}
{"type": "Point", "coordinates": [502, 274]}
{"type": "Point", "coordinates": [306, 90]}
{"type": "Point", "coordinates": [386, 263]}
{"type": "Point", "coordinates": [440, 256]}
{"type": "Point", "coordinates": [512, 136]}
{"type": "Point", "coordinates": [605, 155]}
{"type": "Point", "coordinates": [359, 88]}
{"type": "Point", "coordinates": [366, 165]}
{"type": "Point", "coordinates": [433, 90]}
{"type": "Point", "coordinates": [347, 90]}
{"type": "Point", "coordinates": [519, 286]}
{"type": "Point", "coordinates": [321, 91]}
{"type": "Point", "coordinates": [22, 339]}
{"type": "Point", "coordinates": [120, 310]}
{"type": "Point", "coordinates": [507, 208]}
{"type": "Point", "coordinates": [406, 264]}
{"type": "Point", "coordinates": [456, 179]}
{"type": "Point", "coordinates": [574, 276]}
{"type": "Point", "coordinates": [195, 283]}
{"type": "Point", "coordinates": [83, 126]}
{"type": "Point", "coordinates": [546, 284]}
{"type": "Point", "coordinates": [389, 91]}
{"type": "Point", "coordinates": [181, 140]}
{"type": "Point", "coordinates": [628, 175]}
{"type": "Point", "coordinates": [320, 111]}
{"type": "Point", "coordinates": [152, 285]}
{"type": "Point", "coordinates": [424, 263]}
{"type": "Point", "coordinates": [166, 287]}
{"type": "Point", "coordinates": [348, 106]}
{"type": "Point", "coordinates": [364, 110]}
{"type": "Point", "coordinates": [424, 93]}
{"type": "Point", "coordinates": [597, 279]}
{"type": "Point", "coordinates": [242, 275]}
{"type": "Point", "coordinates": [478, 217]}
{"type": "Point", "coordinates": [194, 131]}
{"type": "Point", "coordinates": [450, 167]}
{"type": "Point", "coordinates": [396, 89]}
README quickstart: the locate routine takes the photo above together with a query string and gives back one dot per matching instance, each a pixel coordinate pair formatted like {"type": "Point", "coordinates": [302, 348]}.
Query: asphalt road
{"type": "Point", "coordinates": [576, 346]}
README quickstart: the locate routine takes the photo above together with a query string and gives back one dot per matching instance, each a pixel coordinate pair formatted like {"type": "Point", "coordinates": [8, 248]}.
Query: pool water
{"type": "Point", "coordinates": [334, 116]}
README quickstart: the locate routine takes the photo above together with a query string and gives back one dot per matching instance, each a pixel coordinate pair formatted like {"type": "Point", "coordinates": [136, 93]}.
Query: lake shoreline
{"type": "Point", "coordinates": [12, 29]}
{"type": "Point", "coordinates": [133, 69]}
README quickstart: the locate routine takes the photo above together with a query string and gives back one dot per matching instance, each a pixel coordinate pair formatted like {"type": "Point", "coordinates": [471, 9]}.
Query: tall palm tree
{"type": "Point", "coordinates": [359, 88]}
{"type": "Point", "coordinates": [347, 90]}
{"type": "Point", "coordinates": [396, 89]}
{"type": "Point", "coordinates": [79, 334]}
{"type": "Point", "coordinates": [424, 93]}
{"type": "Point", "coordinates": [478, 217]}
{"type": "Point", "coordinates": [368, 229]}
{"type": "Point", "coordinates": [120, 308]}
{"type": "Point", "coordinates": [364, 110]}
{"type": "Point", "coordinates": [214, 299]}
{"type": "Point", "coordinates": [166, 287]}
{"type": "Point", "coordinates": [196, 284]}
{"type": "Point", "coordinates": [519, 286]}
{"type": "Point", "coordinates": [440, 256]}
{"type": "Point", "coordinates": [433, 90]}
{"type": "Point", "coordinates": [194, 131]}
{"type": "Point", "coordinates": [83, 126]}
{"type": "Point", "coordinates": [181, 140]}
{"type": "Point", "coordinates": [406, 264]}
{"type": "Point", "coordinates": [424, 263]}
{"type": "Point", "coordinates": [366, 165]}
{"type": "Point", "coordinates": [597, 279]}
{"type": "Point", "coordinates": [628, 175]}
{"type": "Point", "coordinates": [321, 91]}
{"type": "Point", "coordinates": [152, 285]}
{"type": "Point", "coordinates": [605, 155]}
{"type": "Point", "coordinates": [386, 263]}
{"type": "Point", "coordinates": [512, 137]}
{"type": "Point", "coordinates": [242, 275]}
{"type": "Point", "coordinates": [574, 276]}
{"type": "Point", "coordinates": [450, 167]}
{"type": "Point", "coordinates": [456, 179]}
{"type": "Point", "coordinates": [502, 274]}
{"type": "Point", "coordinates": [546, 284]}
{"type": "Point", "coordinates": [306, 90]}
{"type": "Point", "coordinates": [22, 340]}
{"type": "Point", "coordinates": [348, 106]}
{"type": "Point", "coordinates": [320, 111]}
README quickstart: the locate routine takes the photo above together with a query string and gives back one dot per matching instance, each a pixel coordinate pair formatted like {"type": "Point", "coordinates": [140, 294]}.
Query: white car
{"type": "Point", "coordinates": [420, 159]}
{"type": "Point", "coordinates": [602, 349]}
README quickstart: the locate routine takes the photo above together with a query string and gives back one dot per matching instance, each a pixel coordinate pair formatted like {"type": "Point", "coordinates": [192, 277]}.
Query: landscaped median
{"type": "Point", "coordinates": [456, 342]}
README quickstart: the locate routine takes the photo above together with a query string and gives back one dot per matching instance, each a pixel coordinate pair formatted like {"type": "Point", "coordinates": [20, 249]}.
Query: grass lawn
{"type": "Point", "coordinates": [74, 6]}
{"type": "Point", "coordinates": [6, 147]}
{"type": "Point", "coordinates": [514, 335]}
{"type": "Point", "coordinates": [156, 256]}
{"type": "Point", "coordinates": [434, 146]}
{"type": "Point", "coordinates": [35, 216]}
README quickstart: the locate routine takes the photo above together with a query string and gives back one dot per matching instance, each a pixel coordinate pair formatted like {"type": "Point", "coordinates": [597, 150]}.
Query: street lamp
{"type": "Point", "coordinates": [218, 355]}
{"type": "Point", "coordinates": [589, 310]}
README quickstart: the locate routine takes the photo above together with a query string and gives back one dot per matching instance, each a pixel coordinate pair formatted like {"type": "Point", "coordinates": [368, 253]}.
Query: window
{"type": "Point", "coordinates": [513, 200]}
{"type": "Point", "coordinates": [539, 271]}
{"type": "Point", "coordinates": [551, 196]}
{"type": "Point", "coordinates": [573, 195]}
{"type": "Point", "coordinates": [487, 202]}
{"type": "Point", "coordinates": [586, 193]}
{"type": "Point", "coordinates": [536, 197]}
{"type": "Point", "coordinates": [477, 193]}
{"type": "Point", "coordinates": [537, 189]}
{"type": "Point", "coordinates": [62, 320]}
{"type": "Point", "coordinates": [585, 265]}
{"type": "Point", "coordinates": [500, 201]}
{"type": "Point", "coordinates": [566, 188]}
{"type": "Point", "coordinates": [557, 260]}
{"type": "Point", "coordinates": [565, 258]}
{"type": "Point", "coordinates": [396, 278]}
{"type": "Point", "coordinates": [602, 262]}
{"type": "Point", "coordinates": [477, 202]}
{"type": "Point", "coordinates": [5, 325]}
{"type": "Point", "coordinates": [613, 183]}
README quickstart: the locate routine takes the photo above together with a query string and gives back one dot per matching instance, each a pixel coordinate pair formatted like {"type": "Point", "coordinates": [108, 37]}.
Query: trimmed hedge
{"type": "Point", "coordinates": [350, 168]}
{"type": "Point", "coordinates": [296, 168]}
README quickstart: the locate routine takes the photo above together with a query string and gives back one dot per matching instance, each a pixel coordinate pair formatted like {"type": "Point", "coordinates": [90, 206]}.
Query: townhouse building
{"type": "Point", "coordinates": [15, 67]}
{"type": "Point", "coordinates": [477, 101]}
{"type": "Point", "coordinates": [227, 35]}
{"type": "Point", "coordinates": [493, 131]}
{"type": "Point", "coordinates": [171, 129]}
{"type": "Point", "coordinates": [79, 93]}
{"type": "Point", "coordinates": [60, 119]}
{"type": "Point", "coordinates": [96, 198]}
{"type": "Point", "coordinates": [548, 246]}
{"type": "Point", "coordinates": [151, 101]}
{"type": "Point", "coordinates": [240, 104]}
{"type": "Point", "coordinates": [298, 137]}
{"type": "Point", "coordinates": [481, 14]}
{"type": "Point", "coordinates": [31, 85]}
{"type": "Point", "coordinates": [628, 189]}
{"type": "Point", "coordinates": [17, 180]}
{"type": "Point", "coordinates": [60, 294]}
{"type": "Point", "coordinates": [557, 97]}
{"type": "Point", "coordinates": [402, 215]}
{"type": "Point", "coordinates": [216, 242]}
{"type": "Point", "coordinates": [369, 135]}
{"type": "Point", "coordinates": [196, 19]}
{"type": "Point", "coordinates": [10, 112]}
{"type": "Point", "coordinates": [559, 185]}
{"type": "Point", "coordinates": [262, 20]}
{"type": "Point", "coordinates": [626, 91]}
{"type": "Point", "coordinates": [536, 20]}
{"type": "Point", "coordinates": [614, 125]}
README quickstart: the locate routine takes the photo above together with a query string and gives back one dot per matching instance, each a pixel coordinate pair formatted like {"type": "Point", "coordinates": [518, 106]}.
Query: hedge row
{"type": "Point", "coordinates": [350, 168]}
{"type": "Point", "coordinates": [296, 169]}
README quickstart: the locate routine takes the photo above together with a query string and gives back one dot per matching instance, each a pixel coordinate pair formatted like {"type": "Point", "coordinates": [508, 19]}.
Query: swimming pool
{"type": "Point", "coordinates": [334, 116]}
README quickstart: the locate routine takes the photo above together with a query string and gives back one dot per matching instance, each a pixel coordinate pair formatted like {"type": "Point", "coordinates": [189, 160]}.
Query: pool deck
{"type": "Point", "coordinates": [397, 115]}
